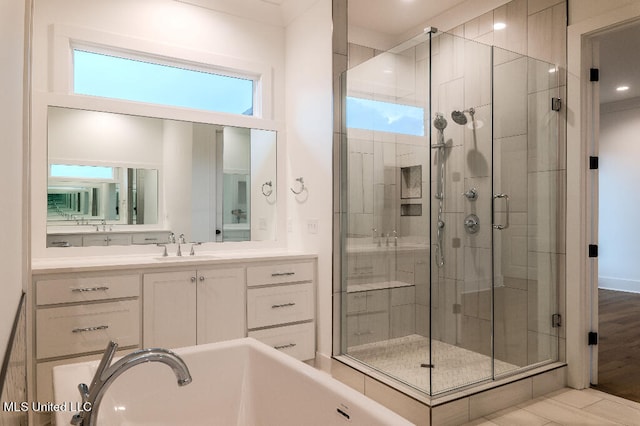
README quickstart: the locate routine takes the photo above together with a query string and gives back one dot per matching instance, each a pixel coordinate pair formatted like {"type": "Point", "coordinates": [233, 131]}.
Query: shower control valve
{"type": "Point", "coordinates": [472, 224]}
{"type": "Point", "coordinates": [471, 194]}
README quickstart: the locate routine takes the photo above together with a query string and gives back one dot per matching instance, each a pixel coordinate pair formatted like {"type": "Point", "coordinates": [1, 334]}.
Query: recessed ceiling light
{"type": "Point", "coordinates": [387, 71]}
{"type": "Point", "coordinates": [499, 26]}
{"type": "Point", "coordinates": [622, 88]}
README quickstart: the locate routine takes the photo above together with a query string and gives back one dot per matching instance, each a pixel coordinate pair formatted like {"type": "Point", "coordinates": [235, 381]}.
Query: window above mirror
{"type": "Point", "coordinates": [109, 76]}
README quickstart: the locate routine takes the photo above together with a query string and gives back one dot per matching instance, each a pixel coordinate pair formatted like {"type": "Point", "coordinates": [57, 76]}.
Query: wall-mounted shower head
{"type": "Point", "coordinates": [439, 122]}
{"type": "Point", "coordinates": [460, 118]}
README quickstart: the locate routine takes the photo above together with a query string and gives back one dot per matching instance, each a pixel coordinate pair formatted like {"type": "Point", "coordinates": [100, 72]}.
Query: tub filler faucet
{"type": "Point", "coordinates": [106, 374]}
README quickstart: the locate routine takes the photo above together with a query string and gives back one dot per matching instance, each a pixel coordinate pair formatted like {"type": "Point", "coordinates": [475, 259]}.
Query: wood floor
{"type": "Point", "coordinates": [619, 344]}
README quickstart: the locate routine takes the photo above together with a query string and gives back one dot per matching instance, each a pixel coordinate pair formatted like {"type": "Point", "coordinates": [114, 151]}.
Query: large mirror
{"type": "Point", "coordinates": [124, 179]}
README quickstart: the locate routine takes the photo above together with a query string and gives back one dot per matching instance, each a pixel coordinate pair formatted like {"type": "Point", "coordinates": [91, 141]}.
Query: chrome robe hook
{"type": "Point", "coordinates": [269, 190]}
{"type": "Point", "coordinates": [302, 187]}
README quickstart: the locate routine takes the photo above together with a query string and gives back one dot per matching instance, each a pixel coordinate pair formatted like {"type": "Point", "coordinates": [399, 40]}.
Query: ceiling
{"type": "Point", "coordinates": [274, 12]}
{"type": "Point", "coordinates": [619, 63]}
{"type": "Point", "coordinates": [619, 56]}
{"type": "Point", "coordinates": [395, 17]}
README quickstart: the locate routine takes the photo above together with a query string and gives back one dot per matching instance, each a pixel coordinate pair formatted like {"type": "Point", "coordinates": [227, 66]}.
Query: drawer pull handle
{"type": "Point", "coordinates": [282, 274]}
{"type": "Point", "coordinates": [283, 305]}
{"type": "Point", "coordinates": [151, 239]}
{"type": "Point", "coordinates": [82, 330]}
{"type": "Point", "coordinates": [363, 333]}
{"type": "Point", "coordinates": [82, 290]}
{"type": "Point", "coordinates": [290, 345]}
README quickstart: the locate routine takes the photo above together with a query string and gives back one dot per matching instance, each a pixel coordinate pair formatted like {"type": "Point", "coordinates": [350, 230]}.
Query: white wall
{"type": "Point", "coordinates": [309, 116]}
{"type": "Point", "coordinates": [177, 150]}
{"type": "Point", "coordinates": [619, 198]}
{"type": "Point", "coordinates": [263, 169]}
{"type": "Point", "coordinates": [13, 258]}
{"type": "Point", "coordinates": [115, 139]}
{"type": "Point", "coordinates": [582, 10]}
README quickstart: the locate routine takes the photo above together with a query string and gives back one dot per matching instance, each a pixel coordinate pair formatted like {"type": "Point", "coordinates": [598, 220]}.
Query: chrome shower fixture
{"type": "Point", "coordinates": [440, 122]}
{"type": "Point", "coordinates": [460, 118]}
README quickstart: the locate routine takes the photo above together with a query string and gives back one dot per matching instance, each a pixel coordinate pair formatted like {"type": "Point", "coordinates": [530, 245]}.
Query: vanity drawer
{"type": "Point", "coordinates": [150, 238]}
{"type": "Point", "coordinates": [68, 240]}
{"type": "Point", "coordinates": [279, 305]}
{"type": "Point", "coordinates": [296, 340]}
{"type": "Point", "coordinates": [84, 289]}
{"type": "Point", "coordinates": [279, 273]}
{"type": "Point", "coordinates": [106, 240]}
{"type": "Point", "coordinates": [79, 329]}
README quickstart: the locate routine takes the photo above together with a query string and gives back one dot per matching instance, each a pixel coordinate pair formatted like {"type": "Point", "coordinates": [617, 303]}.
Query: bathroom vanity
{"type": "Point", "coordinates": [144, 301]}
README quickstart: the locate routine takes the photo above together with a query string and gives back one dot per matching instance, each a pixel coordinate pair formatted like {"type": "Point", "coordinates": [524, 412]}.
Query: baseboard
{"type": "Point", "coordinates": [619, 284]}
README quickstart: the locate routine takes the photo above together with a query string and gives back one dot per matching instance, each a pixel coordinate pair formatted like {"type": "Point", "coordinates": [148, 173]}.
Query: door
{"type": "Point", "coordinates": [221, 305]}
{"type": "Point", "coordinates": [528, 198]}
{"type": "Point", "coordinates": [169, 303]}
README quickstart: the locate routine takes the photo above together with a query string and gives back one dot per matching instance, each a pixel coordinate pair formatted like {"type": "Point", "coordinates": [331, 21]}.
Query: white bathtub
{"type": "Point", "coordinates": [240, 382]}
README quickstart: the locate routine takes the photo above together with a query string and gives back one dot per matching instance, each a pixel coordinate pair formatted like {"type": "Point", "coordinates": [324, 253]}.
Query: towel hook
{"type": "Point", "coordinates": [302, 187]}
{"type": "Point", "coordinates": [268, 191]}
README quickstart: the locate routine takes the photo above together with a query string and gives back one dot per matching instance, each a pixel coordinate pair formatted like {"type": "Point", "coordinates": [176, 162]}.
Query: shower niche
{"type": "Point", "coordinates": [438, 131]}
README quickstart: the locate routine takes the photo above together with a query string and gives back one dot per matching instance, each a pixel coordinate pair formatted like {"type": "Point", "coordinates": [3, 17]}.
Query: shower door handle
{"type": "Point", "coordinates": [498, 226]}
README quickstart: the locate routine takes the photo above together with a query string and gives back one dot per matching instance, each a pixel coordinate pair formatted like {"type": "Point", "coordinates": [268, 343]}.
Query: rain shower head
{"type": "Point", "coordinates": [459, 116]}
{"type": "Point", "coordinates": [439, 122]}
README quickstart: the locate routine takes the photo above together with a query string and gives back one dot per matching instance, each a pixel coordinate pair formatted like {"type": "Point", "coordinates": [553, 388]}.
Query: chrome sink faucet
{"type": "Point", "coordinates": [181, 240]}
{"type": "Point", "coordinates": [105, 375]}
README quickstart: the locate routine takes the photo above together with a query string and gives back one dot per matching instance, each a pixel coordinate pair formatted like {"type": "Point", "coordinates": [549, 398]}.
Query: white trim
{"type": "Point", "coordinates": [65, 38]}
{"type": "Point", "coordinates": [619, 284]}
{"type": "Point", "coordinates": [94, 103]}
{"type": "Point", "coordinates": [579, 275]}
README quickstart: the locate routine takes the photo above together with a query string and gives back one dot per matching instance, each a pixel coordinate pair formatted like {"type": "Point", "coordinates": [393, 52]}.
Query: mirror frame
{"type": "Point", "coordinates": [39, 160]}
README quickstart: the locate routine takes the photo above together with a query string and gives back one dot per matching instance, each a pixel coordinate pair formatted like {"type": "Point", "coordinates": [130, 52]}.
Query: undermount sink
{"type": "Point", "coordinates": [185, 258]}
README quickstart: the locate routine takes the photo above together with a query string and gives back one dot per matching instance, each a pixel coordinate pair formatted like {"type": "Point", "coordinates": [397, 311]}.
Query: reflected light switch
{"type": "Point", "coordinates": [262, 224]}
{"type": "Point", "coordinates": [312, 226]}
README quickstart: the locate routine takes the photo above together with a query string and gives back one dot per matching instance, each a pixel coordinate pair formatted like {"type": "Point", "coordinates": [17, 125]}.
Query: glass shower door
{"type": "Point", "coordinates": [527, 198]}
{"type": "Point", "coordinates": [461, 242]}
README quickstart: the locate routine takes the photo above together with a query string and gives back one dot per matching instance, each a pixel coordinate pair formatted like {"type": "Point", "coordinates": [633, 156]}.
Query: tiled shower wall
{"type": "Point", "coordinates": [529, 269]}
{"type": "Point", "coordinates": [14, 387]}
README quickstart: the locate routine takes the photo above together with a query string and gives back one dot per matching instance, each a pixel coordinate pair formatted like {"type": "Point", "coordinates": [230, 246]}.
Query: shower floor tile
{"type": "Point", "coordinates": [403, 358]}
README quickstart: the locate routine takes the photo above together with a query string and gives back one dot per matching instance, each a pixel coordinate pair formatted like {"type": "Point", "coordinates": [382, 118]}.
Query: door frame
{"type": "Point", "coordinates": [582, 207]}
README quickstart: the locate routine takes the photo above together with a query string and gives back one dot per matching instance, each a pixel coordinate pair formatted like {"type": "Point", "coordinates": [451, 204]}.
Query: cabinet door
{"type": "Point", "coordinates": [221, 304]}
{"type": "Point", "coordinates": [169, 301]}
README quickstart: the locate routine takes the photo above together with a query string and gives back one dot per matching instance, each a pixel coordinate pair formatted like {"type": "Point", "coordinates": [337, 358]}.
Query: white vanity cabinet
{"type": "Point", "coordinates": [281, 306]}
{"type": "Point", "coordinates": [77, 309]}
{"type": "Point", "coordinates": [186, 308]}
{"type": "Point", "coordinates": [76, 315]}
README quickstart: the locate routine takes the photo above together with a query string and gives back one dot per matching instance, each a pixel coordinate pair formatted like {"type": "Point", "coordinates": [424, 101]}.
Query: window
{"type": "Point", "coordinates": [83, 172]}
{"type": "Point", "coordinates": [109, 76]}
{"type": "Point", "coordinates": [385, 116]}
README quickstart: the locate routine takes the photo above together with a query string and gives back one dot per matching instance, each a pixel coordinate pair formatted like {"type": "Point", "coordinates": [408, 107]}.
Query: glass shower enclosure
{"type": "Point", "coordinates": [452, 196]}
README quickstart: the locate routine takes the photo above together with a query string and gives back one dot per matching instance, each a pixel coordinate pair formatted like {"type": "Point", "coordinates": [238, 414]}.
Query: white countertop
{"type": "Point", "coordinates": [153, 261]}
